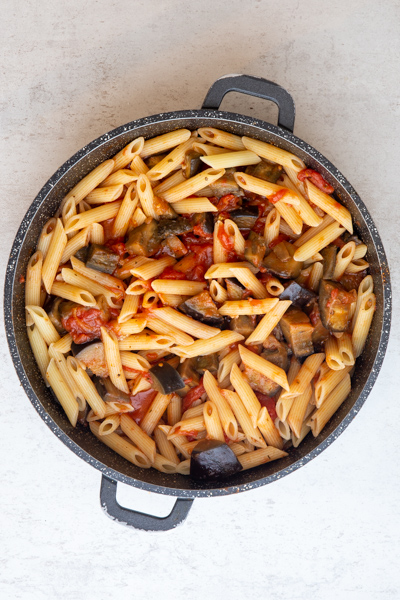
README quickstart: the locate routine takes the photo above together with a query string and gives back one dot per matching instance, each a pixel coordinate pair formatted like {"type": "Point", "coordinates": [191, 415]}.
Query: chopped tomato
{"type": "Point", "coordinates": [338, 242]}
{"type": "Point", "coordinates": [269, 402]}
{"type": "Point", "coordinates": [317, 179]}
{"type": "Point", "coordinates": [171, 273]}
{"type": "Point", "coordinates": [22, 279]}
{"type": "Point", "coordinates": [259, 226]}
{"type": "Point", "coordinates": [204, 260]}
{"type": "Point", "coordinates": [194, 394]}
{"type": "Point", "coordinates": [226, 240]}
{"type": "Point", "coordinates": [228, 202]}
{"type": "Point", "coordinates": [274, 198]}
{"type": "Point", "coordinates": [282, 237]}
{"type": "Point", "coordinates": [141, 402]}
{"type": "Point", "coordinates": [314, 315]}
{"type": "Point", "coordinates": [117, 246]}
{"type": "Point", "coordinates": [84, 324]}
{"type": "Point", "coordinates": [198, 230]}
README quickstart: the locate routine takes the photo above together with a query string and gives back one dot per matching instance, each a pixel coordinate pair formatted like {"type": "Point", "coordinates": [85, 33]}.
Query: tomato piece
{"type": "Point", "coordinates": [84, 324]}
{"type": "Point", "coordinates": [228, 202]}
{"type": "Point", "coordinates": [226, 240]}
{"type": "Point", "coordinates": [259, 226]}
{"type": "Point", "coordinates": [141, 402]}
{"type": "Point", "coordinates": [171, 273]}
{"type": "Point", "coordinates": [274, 198]}
{"type": "Point", "coordinates": [316, 178]}
{"type": "Point", "coordinates": [269, 402]}
{"type": "Point", "coordinates": [194, 394]}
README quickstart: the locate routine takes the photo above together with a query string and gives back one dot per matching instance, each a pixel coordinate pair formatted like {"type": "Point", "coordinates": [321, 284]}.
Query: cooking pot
{"type": "Point", "coordinates": [80, 440]}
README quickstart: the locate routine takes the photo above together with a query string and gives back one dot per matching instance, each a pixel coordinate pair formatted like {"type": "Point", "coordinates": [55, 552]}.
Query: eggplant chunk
{"type": "Point", "coordinates": [209, 362]}
{"type": "Point", "coordinates": [212, 460]}
{"type": "Point", "coordinates": [187, 370]}
{"type": "Point", "coordinates": [55, 316]}
{"type": "Point", "coordinates": [351, 281]}
{"type": "Point", "coordinates": [288, 268]}
{"type": "Point", "coordinates": [244, 218]}
{"type": "Point", "coordinates": [243, 324]}
{"type": "Point", "coordinates": [82, 253]}
{"type": "Point", "coordinates": [255, 248]}
{"type": "Point", "coordinates": [102, 259]}
{"type": "Point", "coordinates": [93, 357]}
{"type": "Point", "coordinates": [144, 240]}
{"type": "Point", "coordinates": [298, 331]}
{"type": "Point", "coordinates": [112, 393]}
{"type": "Point", "coordinates": [329, 262]}
{"type": "Point", "coordinates": [275, 352]}
{"type": "Point", "coordinates": [174, 227]}
{"type": "Point", "coordinates": [165, 378]}
{"type": "Point", "coordinates": [334, 305]}
{"type": "Point", "coordinates": [205, 221]}
{"type": "Point", "coordinates": [163, 209]}
{"type": "Point", "coordinates": [223, 186]}
{"type": "Point", "coordinates": [266, 170]}
{"type": "Point", "coordinates": [192, 164]}
{"type": "Point", "coordinates": [261, 383]}
{"type": "Point", "coordinates": [154, 160]}
{"type": "Point", "coordinates": [234, 289]}
{"type": "Point", "coordinates": [202, 308]}
{"type": "Point", "coordinates": [299, 295]}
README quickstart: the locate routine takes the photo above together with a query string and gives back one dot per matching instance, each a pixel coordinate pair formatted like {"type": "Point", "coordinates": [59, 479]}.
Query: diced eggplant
{"type": "Point", "coordinates": [112, 393]}
{"type": "Point", "coordinates": [244, 218]}
{"type": "Point", "coordinates": [299, 295]}
{"type": "Point", "coordinates": [205, 221]}
{"type": "Point", "coordinates": [102, 259]}
{"type": "Point", "coordinates": [82, 253]}
{"type": "Point", "coordinates": [351, 281]}
{"type": "Point", "coordinates": [212, 460]}
{"type": "Point", "coordinates": [192, 164]}
{"type": "Point", "coordinates": [334, 305]}
{"type": "Point", "coordinates": [165, 378]}
{"type": "Point", "coordinates": [243, 324]}
{"type": "Point", "coordinates": [266, 170]}
{"type": "Point", "coordinates": [154, 160]}
{"type": "Point", "coordinates": [174, 247]}
{"type": "Point", "coordinates": [288, 269]}
{"type": "Point", "coordinates": [255, 248]}
{"type": "Point", "coordinates": [329, 262]}
{"type": "Point", "coordinates": [202, 308]}
{"type": "Point", "coordinates": [234, 289]}
{"type": "Point", "coordinates": [144, 240]}
{"type": "Point", "coordinates": [93, 357]}
{"type": "Point", "coordinates": [261, 383]}
{"type": "Point", "coordinates": [209, 362]}
{"type": "Point", "coordinates": [348, 237]}
{"type": "Point", "coordinates": [298, 331]}
{"type": "Point", "coordinates": [55, 316]}
{"type": "Point", "coordinates": [187, 370]}
{"type": "Point", "coordinates": [163, 209]}
{"type": "Point", "coordinates": [320, 333]}
{"type": "Point", "coordinates": [65, 308]}
{"type": "Point", "coordinates": [275, 352]}
{"type": "Point", "coordinates": [174, 227]}
{"type": "Point", "coordinates": [223, 186]}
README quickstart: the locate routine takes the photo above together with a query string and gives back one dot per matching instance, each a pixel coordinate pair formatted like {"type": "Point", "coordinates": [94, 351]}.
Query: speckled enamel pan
{"type": "Point", "coordinates": [80, 440]}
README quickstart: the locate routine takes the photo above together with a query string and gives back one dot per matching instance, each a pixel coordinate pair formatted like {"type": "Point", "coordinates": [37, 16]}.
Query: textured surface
{"type": "Point", "coordinates": [70, 76]}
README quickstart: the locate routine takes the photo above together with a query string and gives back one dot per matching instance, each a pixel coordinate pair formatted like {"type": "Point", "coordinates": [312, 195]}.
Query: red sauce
{"type": "Point", "coordinates": [274, 198]}
{"type": "Point", "coordinates": [269, 402]}
{"type": "Point", "coordinates": [314, 315]}
{"type": "Point", "coordinates": [84, 324]}
{"type": "Point", "coordinates": [282, 237]}
{"type": "Point", "coordinates": [228, 202]}
{"type": "Point", "coordinates": [141, 402]}
{"type": "Point", "coordinates": [226, 240]}
{"type": "Point", "coordinates": [22, 279]}
{"type": "Point", "coordinates": [194, 394]}
{"type": "Point", "coordinates": [204, 260]}
{"type": "Point", "coordinates": [171, 273]}
{"type": "Point", "coordinates": [338, 242]}
{"type": "Point", "coordinates": [317, 179]}
{"type": "Point", "coordinates": [259, 226]}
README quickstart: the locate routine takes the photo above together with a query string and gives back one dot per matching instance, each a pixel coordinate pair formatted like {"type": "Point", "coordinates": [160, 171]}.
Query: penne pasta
{"type": "Point", "coordinates": [250, 282]}
{"type": "Point", "coordinates": [260, 457]}
{"type": "Point", "coordinates": [305, 375]}
{"type": "Point", "coordinates": [72, 293]}
{"type": "Point", "coordinates": [221, 138]}
{"type": "Point", "coordinates": [231, 159]}
{"type": "Point", "coordinates": [268, 323]}
{"type": "Point", "coordinates": [89, 183]}
{"type": "Point", "coordinates": [319, 241]}
{"type": "Point", "coordinates": [87, 387]}
{"type": "Point", "coordinates": [164, 142]}
{"type": "Point", "coordinates": [363, 323]}
{"type": "Point", "coordinates": [245, 421]}
{"type": "Point", "coordinates": [125, 212]}
{"type": "Point", "coordinates": [121, 446]}
{"type": "Point", "coordinates": [113, 360]}
{"type": "Point", "coordinates": [217, 271]}
{"type": "Point", "coordinates": [102, 195]}
{"type": "Point", "coordinates": [127, 154]}
{"type": "Point", "coordinates": [169, 163]}
{"type": "Point", "coordinates": [53, 257]}
{"type": "Point", "coordinates": [260, 364]}
{"type": "Point", "coordinates": [191, 186]}
{"type": "Point", "coordinates": [194, 205]}
{"type": "Point", "coordinates": [322, 415]}
{"type": "Point", "coordinates": [139, 437]}
{"type": "Point", "coordinates": [153, 268]}
{"type": "Point", "coordinates": [227, 418]}
{"type": "Point", "coordinates": [185, 323]}
{"type": "Point", "coordinates": [233, 308]}
{"type": "Point", "coordinates": [63, 392]}
{"type": "Point", "coordinates": [94, 215]}
{"type": "Point", "coordinates": [145, 341]}
{"type": "Point", "coordinates": [207, 346]}
{"type": "Point", "coordinates": [274, 154]}
{"type": "Point", "coordinates": [39, 349]}
{"type": "Point", "coordinates": [179, 287]}
{"type": "Point", "coordinates": [212, 422]}
{"type": "Point", "coordinates": [329, 205]}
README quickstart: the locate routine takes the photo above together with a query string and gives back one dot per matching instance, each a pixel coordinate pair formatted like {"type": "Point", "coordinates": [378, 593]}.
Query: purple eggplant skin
{"type": "Point", "coordinates": [212, 460]}
{"type": "Point", "coordinates": [244, 218]}
{"type": "Point", "coordinates": [55, 316]}
{"type": "Point", "coordinates": [165, 378]}
{"type": "Point", "coordinates": [266, 170]}
{"type": "Point", "coordinates": [177, 226]}
{"type": "Point", "coordinates": [93, 357]}
{"type": "Point", "coordinates": [204, 220]}
{"type": "Point", "coordinates": [209, 362]}
{"type": "Point", "coordinates": [203, 308]}
{"type": "Point", "coordinates": [144, 240]}
{"type": "Point", "coordinates": [102, 258]}
{"type": "Point", "coordinates": [299, 295]}
{"type": "Point", "coordinates": [287, 269]}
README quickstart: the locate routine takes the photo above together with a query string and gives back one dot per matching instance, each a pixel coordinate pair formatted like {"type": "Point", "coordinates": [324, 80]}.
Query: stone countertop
{"type": "Point", "coordinates": [73, 71]}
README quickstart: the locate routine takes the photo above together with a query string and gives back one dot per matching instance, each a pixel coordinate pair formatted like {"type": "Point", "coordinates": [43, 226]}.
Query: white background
{"type": "Point", "coordinates": [74, 70]}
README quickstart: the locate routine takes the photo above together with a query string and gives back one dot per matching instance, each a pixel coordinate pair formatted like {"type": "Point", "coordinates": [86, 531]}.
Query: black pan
{"type": "Point", "coordinates": [82, 442]}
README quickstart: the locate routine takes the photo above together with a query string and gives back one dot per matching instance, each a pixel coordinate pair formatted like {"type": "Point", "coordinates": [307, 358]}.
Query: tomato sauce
{"type": "Point", "coordinates": [84, 324]}
{"type": "Point", "coordinates": [141, 402]}
{"type": "Point", "coordinates": [194, 394]}
{"type": "Point", "coordinates": [317, 179]}
{"type": "Point", "coordinates": [269, 402]}
{"type": "Point", "coordinates": [274, 198]}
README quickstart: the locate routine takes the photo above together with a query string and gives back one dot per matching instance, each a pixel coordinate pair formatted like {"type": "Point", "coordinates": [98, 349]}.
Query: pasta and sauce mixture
{"type": "Point", "coordinates": [199, 302]}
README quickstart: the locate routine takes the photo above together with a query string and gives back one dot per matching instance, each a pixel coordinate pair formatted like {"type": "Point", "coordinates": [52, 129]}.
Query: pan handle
{"type": "Point", "coordinates": [133, 518]}
{"type": "Point", "coordinates": [253, 86]}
